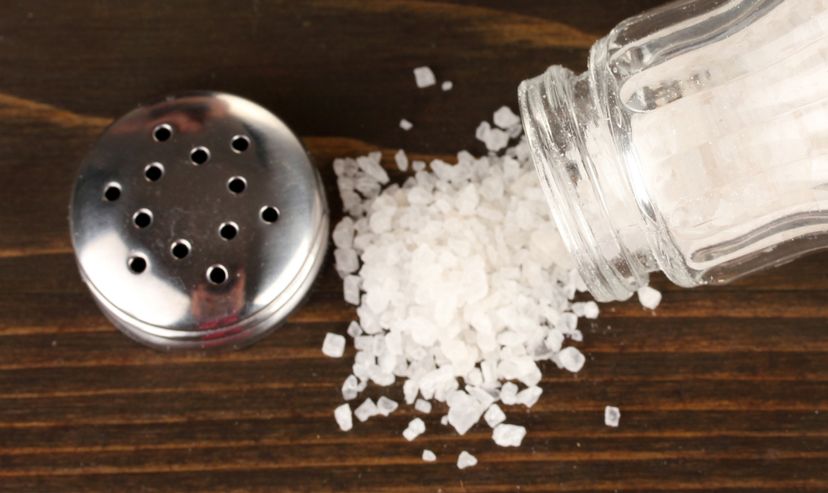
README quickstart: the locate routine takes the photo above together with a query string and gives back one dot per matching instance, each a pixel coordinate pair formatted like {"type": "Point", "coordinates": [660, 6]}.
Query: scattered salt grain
{"type": "Point", "coordinates": [415, 428]}
{"type": "Point", "coordinates": [402, 160]}
{"type": "Point", "coordinates": [447, 85]}
{"type": "Point", "coordinates": [508, 393]}
{"type": "Point", "coordinates": [429, 456]}
{"type": "Point", "coordinates": [350, 388]}
{"type": "Point", "coordinates": [529, 396]}
{"type": "Point", "coordinates": [422, 406]}
{"type": "Point", "coordinates": [342, 415]}
{"type": "Point", "coordinates": [424, 77]}
{"type": "Point", "coordinates": [466, 460]}
{"type": "Point", "coordinates": [333, 346]}
{"type": "Point", "coordinates": [386, 406]}
{"type": "Point", "coordinates": [494, 416]}
{"type": "Point", "coordinates": [406, 125]}
{"type": "Point", "coordinates": [354, 330]}
{"type": "Point", "coordinates": [508, 435]}
{"type": "Point", "coordinates": [571, 359]}
{"type": "Point", "coordinates": [649, 297]}
{"type": "Point", "coordinates": [612, 416]}
{"type": "Point", "coordinates": [505, 118]}
{"type": "Point", "coordinates": [350, 289]}
{"type": "Point", "coordinates": [366, 410]}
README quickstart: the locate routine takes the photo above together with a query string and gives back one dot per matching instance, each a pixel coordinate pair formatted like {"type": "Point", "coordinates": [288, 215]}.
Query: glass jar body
{"type": "Point", "coordinates": [696, 143]}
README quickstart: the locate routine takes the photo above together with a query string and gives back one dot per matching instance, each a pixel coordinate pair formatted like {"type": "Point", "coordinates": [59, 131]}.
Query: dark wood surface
{"type": "Point", "coordinates": [722, 389]}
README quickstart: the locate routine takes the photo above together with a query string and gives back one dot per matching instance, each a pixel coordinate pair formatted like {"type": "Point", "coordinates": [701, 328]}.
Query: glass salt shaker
{"type": "Point", "coordinates": [696, 143]}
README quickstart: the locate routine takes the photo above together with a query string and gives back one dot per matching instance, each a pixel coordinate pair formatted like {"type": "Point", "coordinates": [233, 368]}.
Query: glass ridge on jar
{"type": "Point", "coordinates": [696, 143]}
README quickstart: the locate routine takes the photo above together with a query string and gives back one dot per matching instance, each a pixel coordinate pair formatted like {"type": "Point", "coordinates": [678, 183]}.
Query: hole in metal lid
{"type": "Point", "coordinates": [154, 171]}
{"type": "Point", "coordinates": [137, 264]}
{"type": "Point", "coordinates": [180, 249]}
{"type": "Point", "coordinates": [142, 218]}
{"type": "Point", "coordinates": [162, 133]}
{"type": "Point", "coordinates": [269, 214]}
{"type": "Point", "coordinates": [228, 230]}
{"type": "Point", "coordinates": [240, 143]}
{"type": "Point", "coordinates": [200, 155]}
{"type": "Point", "coordinates": [237, 184]}
{"type": "Point", "coordinates": [112, 192]}
{"type": "Point", "coordinates": [217, 274]}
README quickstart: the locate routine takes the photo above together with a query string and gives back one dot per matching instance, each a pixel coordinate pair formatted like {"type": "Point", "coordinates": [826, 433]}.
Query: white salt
{"type": "Point", "coordinates": [494, 416]}
{"type": "Point", "coordinates": [649, 297]}
{"type": "Point", "coordinates": [571, 359]}
{"type": "Point", "coordinates": [429, 456]}
{"type": "Point", "coordinates": [461, 283]}
{"type": "Point", "coordinates": [350, 388]}
{"type": "Point", "coordinates": [342, 415]}
{"type": "Point", "coordinates": [354, 330]}
{"type": "Point", "coordinates": [422, 406]}
{"type": "Point", "coordinates": [406, 125]}
{"type": "Point", "coordinates": [350, 289]}
{"type": "Point", "coordinates": [612, 416]}
{"type": "Point", "coordinates": [508, 435]}
{"type": "Point", "coordinates": [366, 410]}
{"type": "Point", "coordinates": [466, 460]}
{"type": "Point", "coordinates": [416, 427]}
{"type": "Point", "coordinates": [333, 346]}
{"type": "Point", "coordinates": [424, 77]}
{"type": "Point", "coordinates": [402, 160]}
{"type": "Point", "coordinates": [386, 406]}
{"type": "Point", "coordinates": [505, 118]}
{"type": "Point", "coordinates": [447, 85]}
{"type": "Point", "coordinates": [529, 396]}
{"type": "Point", "coordinates": [508, 393]}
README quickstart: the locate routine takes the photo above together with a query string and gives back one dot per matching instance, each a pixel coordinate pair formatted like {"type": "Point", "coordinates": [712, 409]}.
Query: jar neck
{"type": "Point", "coordinates": [585, 178]}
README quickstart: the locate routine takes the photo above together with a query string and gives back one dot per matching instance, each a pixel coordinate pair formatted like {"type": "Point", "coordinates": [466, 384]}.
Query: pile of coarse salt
{"type": "Point", "coordinates": [461, 283]}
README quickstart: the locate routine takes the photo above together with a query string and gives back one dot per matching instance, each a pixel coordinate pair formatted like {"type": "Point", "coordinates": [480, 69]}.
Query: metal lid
{"type": "Point", "coordinates": [198, 222]}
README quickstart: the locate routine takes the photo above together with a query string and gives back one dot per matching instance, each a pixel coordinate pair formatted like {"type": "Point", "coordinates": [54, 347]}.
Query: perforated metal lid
{"type": "Point", "coordinates": [198, 222]}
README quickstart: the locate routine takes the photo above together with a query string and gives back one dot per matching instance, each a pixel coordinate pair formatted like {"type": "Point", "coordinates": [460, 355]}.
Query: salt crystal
{"type": "Point", "coordinates": [402, 160]}
{"type": "Point", "coordinates": [612, 416]}
{"type": "Point", "coordinates": [429, 456]}
{"type": "Point", "coordinates": [508, 393]}
{"type": "Point", "coordinates": [444, 420]}
{"type": "Point", "coordinates": [346, 260]}
{"type": "Point", "coordinates": [416, 427]}
{"type": "Point", "coordinates": [529, 396]}
{"type": "Point", "coordinates": [406, 125]}
{"type": "Point", "coordinates": [354, 330]}
{"type": "Point", "coordinates": [350, 289]}
{"type": "Point", "coordinates": [418, 165]}
{"type": "Point", "coordinates": [424, 77]}
{"type": "Point", "coordinates": [350, 388]}
{"type": "Point", "coordinates": [422, 406]}
{"type": "Point", "coordinates": [386, 406]}
{"type": "Point", "coordinates": [447, 85]}
{"type": "Point", "coordinates": [649, 297]}
{"type": "Point", "coordinates": [464, 412]}
{"type": "Point", "coordinates": [466, 460]}
{"type": "Point", "coordinates": [591, 309]}
{"type": "Point", "coordinates": [366, 410]}
{"type": "Point", "coordinates": [506, 435]}
{"type": "Point", "coordinates": [333, 346]}
{"type": "Point", "coordinates": [342, 415]}
{"type": "Point", "coordinates": [505, 118]}
{"type": "Point", "coordinates": [571, 359]}
{"type": "Point", "coordinates": [494, 416]}
{"type": "Point", "coordinates": [343, 233]}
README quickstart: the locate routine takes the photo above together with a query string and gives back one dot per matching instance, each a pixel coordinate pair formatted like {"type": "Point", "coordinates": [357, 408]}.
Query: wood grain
{"type": "Point", "coordinates": [722, 389]}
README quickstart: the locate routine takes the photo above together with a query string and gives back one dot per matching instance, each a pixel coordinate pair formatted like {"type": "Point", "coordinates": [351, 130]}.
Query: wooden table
{"type": "Point", "coordinates": [721, 389]}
